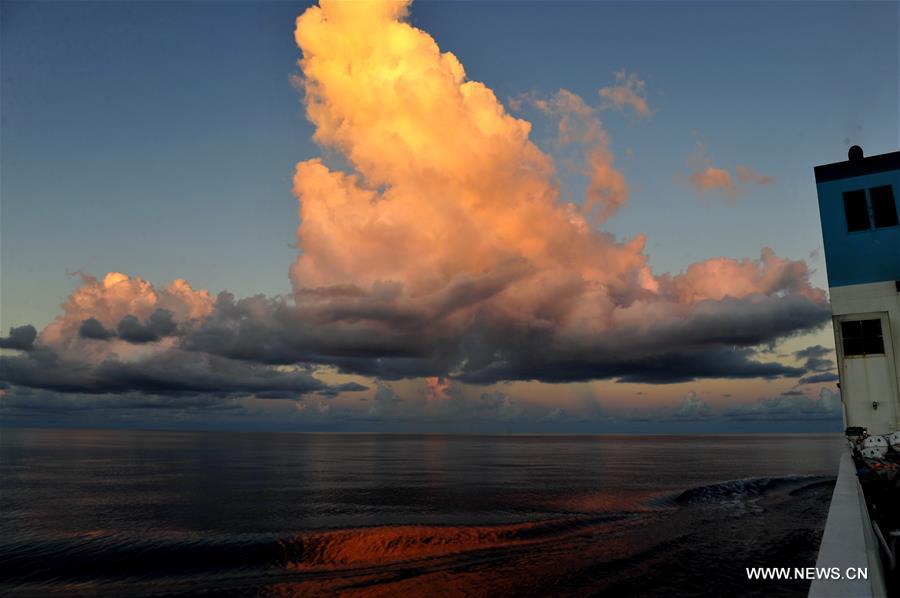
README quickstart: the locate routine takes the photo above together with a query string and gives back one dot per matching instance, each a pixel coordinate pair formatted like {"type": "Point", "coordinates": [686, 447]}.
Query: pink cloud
{"type": "Point", "coordinates": [713, 179]}
{"type": "Point", "coordinates": [628, 91]}
{"type": "Point", "coordinates": [118, 295]}
{"type": "Point", "coordinates": [705, 178]}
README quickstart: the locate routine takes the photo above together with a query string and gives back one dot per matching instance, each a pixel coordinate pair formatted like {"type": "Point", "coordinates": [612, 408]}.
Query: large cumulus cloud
{"type": "Point", "coordinates": [443, 250]}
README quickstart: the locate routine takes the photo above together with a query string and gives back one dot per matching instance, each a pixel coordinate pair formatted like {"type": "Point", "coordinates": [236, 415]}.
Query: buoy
{"type": "Point", "coordinates": [894, 439]}
{"type": "Point", "coordinates": [879, 441]}
{"type": "Point", "coordinates": [874, 452]}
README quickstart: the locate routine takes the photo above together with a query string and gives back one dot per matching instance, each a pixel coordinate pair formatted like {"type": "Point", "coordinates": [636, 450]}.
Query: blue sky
{"type": "Point", "coordinates": [159, 139]}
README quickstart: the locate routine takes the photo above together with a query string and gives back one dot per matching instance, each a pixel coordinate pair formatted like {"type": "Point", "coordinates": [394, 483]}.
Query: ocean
{"type": "Point", "coordinates": [147, 513]}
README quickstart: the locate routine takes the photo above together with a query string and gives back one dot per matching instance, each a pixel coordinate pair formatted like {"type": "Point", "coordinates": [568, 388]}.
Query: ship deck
{"type": "Point", "coordinates": [849, 541]}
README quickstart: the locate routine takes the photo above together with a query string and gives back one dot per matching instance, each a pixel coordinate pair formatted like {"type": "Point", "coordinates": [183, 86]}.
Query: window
{"type": "Point", "coordinates": [862, 337]}
{"type": "Point", "coordinates": [883, 209]}
{"type": "Point", "coordinates": [856, 210]}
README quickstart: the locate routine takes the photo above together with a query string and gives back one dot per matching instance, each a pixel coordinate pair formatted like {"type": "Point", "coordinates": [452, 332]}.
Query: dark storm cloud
{"type": "Point", "coordinates": [21, 400]}
{"type": "Point", "coordinates": [235, 350]}
{"type": "Point", "coordinates": [815, 359]}
{"type": "Point", "coordinates": [813, 351]}
{"type": "Point", "coordinates": [820, 378]}
{"type": "Point", "coordinates": [389, 338]}
{"type": "Point", "coordinates": [673, 367]}
{"type": "Point", "coordinates": [816, 364]}
{"type": "Point", "coordinates": [161, 323]}
{"type": "Point", "coordinates": [169, 373]}
{"type": "Point", "coordinates": [93, 329]}
{"type": "Point", "coordinates": [158, 325]}
{"type": "Point", "coordinates": [20, 337]}
{"type": "Point", "coordinates": [277, 332]}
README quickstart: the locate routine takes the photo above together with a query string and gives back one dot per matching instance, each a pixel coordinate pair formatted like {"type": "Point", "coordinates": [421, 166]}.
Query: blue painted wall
{"type": "Point", "coordinates": [863, 256]}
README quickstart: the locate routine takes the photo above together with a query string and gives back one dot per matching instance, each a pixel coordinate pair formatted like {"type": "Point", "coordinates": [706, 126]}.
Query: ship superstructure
{"type": "Point", "coordinates": [861, 231]}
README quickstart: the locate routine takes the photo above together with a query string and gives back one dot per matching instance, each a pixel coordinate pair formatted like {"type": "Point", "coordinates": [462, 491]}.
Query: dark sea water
{"type": "Point", "coordinates": [161, 513]}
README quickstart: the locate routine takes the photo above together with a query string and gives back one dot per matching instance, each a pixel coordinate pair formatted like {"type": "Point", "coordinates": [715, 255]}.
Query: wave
{"type": "Point", "coordinates": [362, 547]}
{"type": "Point", "coordinates": [617, 552]}
{"type": "Point", "coordinates": [117, 557]}
{"type": "Point", "coordinates": [745, 489]}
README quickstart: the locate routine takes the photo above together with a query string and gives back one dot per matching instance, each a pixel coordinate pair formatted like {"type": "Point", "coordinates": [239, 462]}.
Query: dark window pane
{"type": "Point", "coordinates": [862, 337]}
{"type": "Point", "coordinates": [851, 329]}
{"type": "Point", "coordinates": [884, 210]}
{"type": "Point", "coordinates": [854, 346]}
{"type": "Point", "coordinates": [856, 210]}
{"type": "Point", "coordinates": [871, 327]}
{"type": "Point", "coordinates": [874, 345]}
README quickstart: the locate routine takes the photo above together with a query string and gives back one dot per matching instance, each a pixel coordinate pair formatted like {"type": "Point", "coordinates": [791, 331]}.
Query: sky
{"type": "Point", "coordinates": [445, 216]}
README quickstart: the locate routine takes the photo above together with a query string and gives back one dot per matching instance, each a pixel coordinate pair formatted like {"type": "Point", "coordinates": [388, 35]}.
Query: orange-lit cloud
{"type": "Point", "coordinates": [441, 251]}
{"type": "Point", "coordinates": [706, 178]}
{"type": "Point", "coordinates": [436, 388]}
{"type": "Point", "coordinates": [465, 192]}
{"type": "Point", "coordinates": [748, 175]}
{"type": "Point", "coordinates": [628, 91]}
{"type": "Point", "coordinates": [446, 189]}
{"type": "Point", "coordinates": [718, 278]}
{"type": "Point", "coordinates": [578, 125]}
{"type": "Point", "coordinates": [714, 179]}
{"type": "Point", "coordinates": [118, 295]}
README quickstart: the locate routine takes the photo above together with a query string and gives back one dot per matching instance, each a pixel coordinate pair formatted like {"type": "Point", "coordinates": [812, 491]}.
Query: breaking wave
{"type": "Point", "coordinates": [744, 489]}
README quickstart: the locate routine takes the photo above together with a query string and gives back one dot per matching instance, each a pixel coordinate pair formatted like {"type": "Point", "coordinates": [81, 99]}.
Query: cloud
{"type": "Point", "coordinates": [579, 129]}
{"type": "Point", "coordinates": [706, 178]}
{"type": "Point", "coordinates": [158, 325]}
{"type": "Point", "coordinates": [819, 378]}
{"type": "Point", "coordinates": [692, 408]}
{"type": "Point", "coordinates": [748, 175]}
{"type": "Point", "coordinates": [713, 179]}
{"type": "Point", "coordinates": [814, 357]}
{"type": "Point", "coordinates": [20, 338]}
{"type": "Point", "coordinates": [562, 284]}
{"type": "Point", "coordinates": [392, 337]}
{"type": "Point", "coordinates": [143, 355]}
{"type": "Point", "coordinates": [497, 405]}
{"type": "Point", "coordinates": [827, 406]}
{"type": "Point", "coordinates": [386, 402]}
{"type": "Point", "coordinates": [813, 351]}
{"type": "Point", "coordinates": [20, 400]}
{"type": "Point", "coordinates": [628, 91]}
{"type": "Point", "coordinates": [164, 371]}
{"type": "Point", "coordinates": [121, 297]}
{"type": "Point", "coordinates": [93, 329]}
{"type": "Point", "coordinates": [816, 363]}
{"type": "Point", "coordinates": [437, 388]}
{"type": "Point", "coordinates": [442, 250]}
